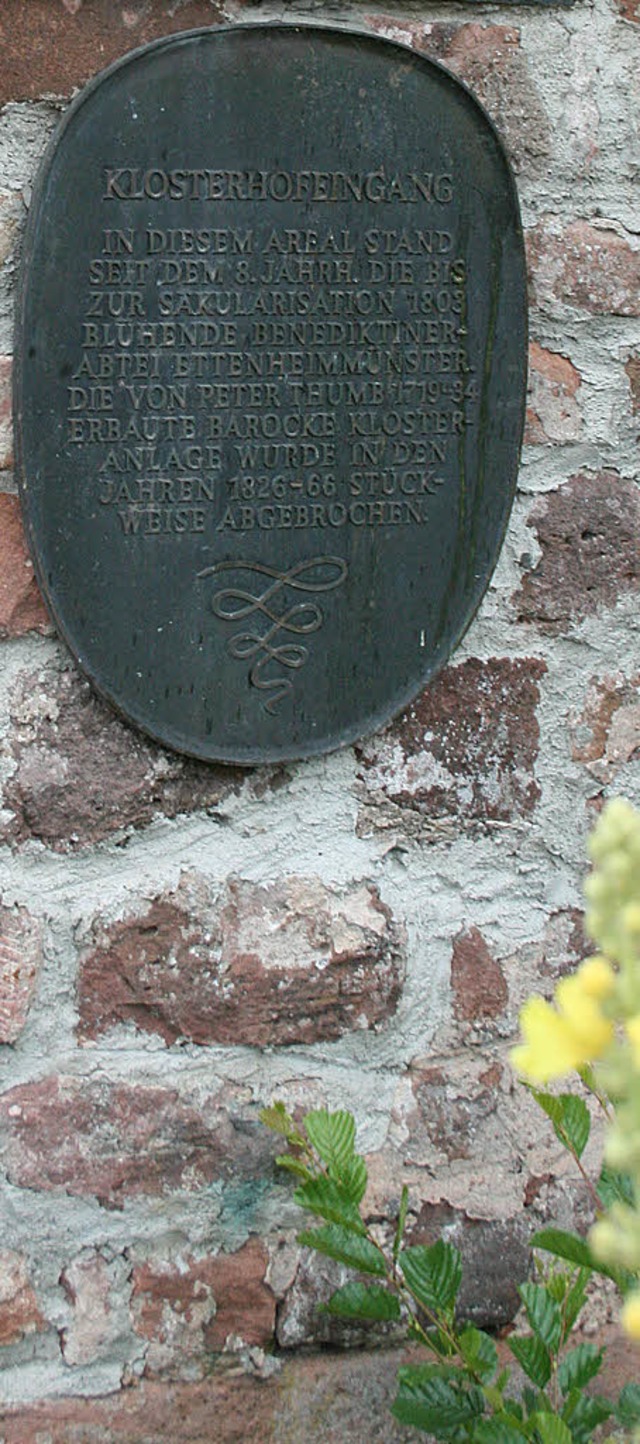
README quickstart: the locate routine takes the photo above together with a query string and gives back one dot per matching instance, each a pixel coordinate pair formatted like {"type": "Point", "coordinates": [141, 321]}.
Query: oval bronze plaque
{"type": "Point", "coordinates": [270, 382]}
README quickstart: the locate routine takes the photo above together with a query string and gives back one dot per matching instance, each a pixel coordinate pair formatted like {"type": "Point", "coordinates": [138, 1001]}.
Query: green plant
{"type": "Point", "coordinates": [462, 1392]}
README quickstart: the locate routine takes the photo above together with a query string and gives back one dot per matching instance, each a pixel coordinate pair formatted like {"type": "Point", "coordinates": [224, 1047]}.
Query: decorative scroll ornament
{"type": "Point", "coordinates": [269, 648]}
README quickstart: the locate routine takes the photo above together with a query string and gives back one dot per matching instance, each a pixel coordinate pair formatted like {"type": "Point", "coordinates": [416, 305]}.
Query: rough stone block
{"type": "Point", "coordinates": [95, 1326]}
{"type": "Point", "coordinates": [19, 1311]}
{"type": "Point", "coordinates": [553, 412]}
{"type": "Point", "coordinates": [80, 774]}
{"type": "Point", "coordinates": [188, 1309]}
{"type": "Point", "coordinates": [466, 748]}
{"type": "Point", "coordinates": [20, 964]}
{"type": "Point", "coordinates": [478, 983]}
{"type": "Point", "coordinates": [589, 535]}
{"type": "Point", "coordinates": [606, 734]}
{"type": "Point", "coordinates": [114, 1141]}
{"type": "Point", "coordinates": [52, 49]}
{"type": "Point", "coordinates": [289, 962]}
{"type": "Point", "coordinates": [490, 60]}
{"type": "Point", "coordinates": [21, 606]}
{"type": "Point", "coordinates": [588, 267]}
{"type": "Point", "coordinates": [495, 1259]}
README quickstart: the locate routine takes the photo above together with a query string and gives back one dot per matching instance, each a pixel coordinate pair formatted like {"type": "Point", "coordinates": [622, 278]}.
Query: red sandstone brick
{"type": "Point", "coordinates": [94, 1326]}
{"type": "Point", "coordinates": [606, 734]}
{"type": "Point", "coordinates": [495, 1258]}
{"type": "Point", "coordinates": [632, 369]}
{"type": "Point", "coordinates": [21, 606]}
{"type": "Point", "coordinates": [80, 774]}
{"type": "Point", "coordinates": [290, 962]}
{"type": "Point", "coordinates": [584, 266]}
{"type": "Point", "coordinates": [47, 48]}
{"type": "Point", "coordinates": [467, 746]}
{"type": "Point", "coordinates": [477, 980]}
{"type": "Point", "coordinates": [115, 1141]}
{"type": "Point", "coordinates": [553, 413]}
{"type": "Point", "coordinates": [20, 963]}
{"type": "Point", "coordinates": [189, 1308]}
{"type": "Point", "coordinates": [457, 1113]}
{"type": "Point", "coordinates": [19, 1311]}
{"type": "Point", "coordinates": [489, 59]}
{"type": "Point", "coordinates": [589, 534]}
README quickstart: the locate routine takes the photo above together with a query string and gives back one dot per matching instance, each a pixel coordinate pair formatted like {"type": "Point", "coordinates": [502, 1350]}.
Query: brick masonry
{"type": "Point", "coordinates": [181, 943]}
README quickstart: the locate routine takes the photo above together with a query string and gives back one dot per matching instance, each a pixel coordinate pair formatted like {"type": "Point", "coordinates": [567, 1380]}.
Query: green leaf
{"type": "Point", "coordinates": [590, 1411]}
{"type": "Point", "coordinates": [402, 1219]}
{"type": "Point", "coordinates": [534, 1358]}
{"type": "Point", "coordinates": [579, 1366]}
{"type": "Point", "coordinates": [363, 1301]}
{"type": "Point", "coordinates": [570, 1118]}
{"type": "Point", "coordinates": [433, 1273]}
{"type": "Point", "coordinates": [279, 1121]}
{"type": "Point", "coordinates": [293, 1165]}
{"type": "Point", "coordinates": [614, 1187]}
{"type": "Point", "coordinates": [543, 1314]}
{"type": "Point", "coordinates": [576, 1250]}
{"type": "Point", "coordinates": [574, 1299]}
{"type": "Point", "coordinates": [479, 1353]}
{"type": "Point", "coordinates": [326, 1198]}
{"type": "Point", "coordinates": [353, 1178]}
{"type": "Point", "coordinates": [564, 1245]}
{"type": "Point", "coordinates": [627, 1409]}
{"type": "Point", "coordinates": [347, 1247]}
{"type": "Point", "coordinates": [436, 1404]}
{"type": "Point", "coordinates": [498, 1430]}
{"type": "Point", "coordinates": [551, 1429]}
{"type": "Point", "coordinates": [333, 1136]}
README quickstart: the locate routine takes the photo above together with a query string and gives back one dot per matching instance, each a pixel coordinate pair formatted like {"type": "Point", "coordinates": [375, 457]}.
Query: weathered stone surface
{"type": "Point", "coordinates": [52, 49]}
{"type": "Point", "coordinates": [20, 963]}
{"type": "Point", "coordinates": [11, 215]}
{"type": "Point", "coordinates": [632, 368]}
{"type": "Point", "coordinates": [490, 60]}
{"type": "Point", "coordinates": [589, 534]}
{"type": "Point", "coordinates": [325, 1399]}
{"type": "Point", "coordinates": [19, 1311]}
{"type": "Point", "coordinates": [588, 267]}
{"type": "Point", "coordinates": [477, 981]}
{"type": "Point", "coordinates": [189, 1308]}
{"type": "Point", "coordinates": [606, 734]}
{"type": "Point", "coordinates": [290, 962]}
{"type": "Point", "coordinates": [495, 1259]}
{"type": "Point", "coordinates": [629, 9]}
{"type": "Point", "coordinates": [553, 413]}
{"type": "Point", "coordinates": [88, 1282]}
{"type": "Point", "coordinates": [81, 774]}
{"type": "Point", "coordinates": [466, 747]}
{"type": "Point", "coordinates": [301, 1321]}
{"type": "Point", "coordinates": [115, 1141]}
{"type": "Point", "coordinates": [456, 1112]}
{"type": "Point", "coordinates": [563, 946]}
{"type": "Point", "coordinates": [21, 606]}
{"type": "Point", "coordinates": [6, 434]}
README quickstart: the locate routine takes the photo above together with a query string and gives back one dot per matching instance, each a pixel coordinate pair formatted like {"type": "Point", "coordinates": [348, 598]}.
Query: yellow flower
{"type": "Point", "coordinates": [556, 1040]}
{"type": "Point", "coordinates": [630, 1316]}
{"type": "Point", "coordinates": [598, 977]}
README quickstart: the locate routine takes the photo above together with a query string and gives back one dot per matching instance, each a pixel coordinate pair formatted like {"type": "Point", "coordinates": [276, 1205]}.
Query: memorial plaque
{"type": "Point", "coordinates": [270, 382]}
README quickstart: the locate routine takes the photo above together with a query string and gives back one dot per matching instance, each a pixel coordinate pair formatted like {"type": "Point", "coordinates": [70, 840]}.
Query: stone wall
{"type": "Point", "coordinates": [180, 943]}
